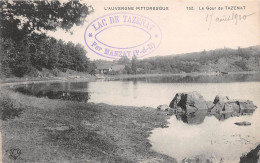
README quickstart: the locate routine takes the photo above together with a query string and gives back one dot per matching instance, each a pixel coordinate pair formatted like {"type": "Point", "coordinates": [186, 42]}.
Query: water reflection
{"type": "Point", "coordinates": [222, 139]}
{"type": "Point", "coordinates": [56, 86]}
{"type": "Point", "coordinates": [180, 140]}
{"type": "Point", "coordinates": [153, 91]}
{"type": "Point", "coordinates": [212, 135]}
{"type": "Point", "coordinates": [198, 117]}
{"type": "Point", "coordinates": [192, 118]}
{"type": "Point", "coordinates": [55, 94]}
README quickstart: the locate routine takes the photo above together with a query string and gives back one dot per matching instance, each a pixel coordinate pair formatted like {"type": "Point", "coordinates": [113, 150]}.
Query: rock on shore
{"type": "Point", "coordinates": [192, 101]}
{"type": "Point", "coordinates": [224, 107]}
{"type": "Point", "coordinates": [189, 102]}
{"type": "Point", "coordinates": [191, 107]}
{"type": "Point", "coordinates": [222, 103]}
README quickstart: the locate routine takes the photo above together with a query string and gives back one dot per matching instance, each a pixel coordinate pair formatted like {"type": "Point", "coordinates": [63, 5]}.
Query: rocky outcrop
{"type": "Point", "coordinates": [189, 102]}
{"type": "Point", "coordinates": [191, 107]}
{"type": "Point", "coordinates": [224, 107]}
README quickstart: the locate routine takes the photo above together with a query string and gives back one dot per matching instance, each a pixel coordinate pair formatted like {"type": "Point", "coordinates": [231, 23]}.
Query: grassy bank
{"type": "Point", "coordinates": [66, 131]}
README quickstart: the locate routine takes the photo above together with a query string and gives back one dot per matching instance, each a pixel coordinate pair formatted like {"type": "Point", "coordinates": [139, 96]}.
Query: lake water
{"type": "Point", "coordinates": [220, 138]}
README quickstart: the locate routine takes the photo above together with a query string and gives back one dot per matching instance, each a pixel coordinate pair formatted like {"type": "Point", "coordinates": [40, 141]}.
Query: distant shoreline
{"type": "Point", "coordinates": [17, 81]}
{"type": "Point", "coordinates": [129, 76]}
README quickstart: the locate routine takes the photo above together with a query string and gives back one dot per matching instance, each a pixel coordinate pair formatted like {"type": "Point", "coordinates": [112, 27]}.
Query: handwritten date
{"type": "Point", "coordinates": [210, 18]}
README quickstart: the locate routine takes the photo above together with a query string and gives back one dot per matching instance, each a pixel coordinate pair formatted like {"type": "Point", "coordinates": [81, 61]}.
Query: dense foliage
{"type": "Point", "coordinates": [24, 45]}
{"type": "Point", "coordinates": [21, 18]}
{"type": "Point", "coordinates": [241, 59]}
{"type": "Point", "coordinates": [20, 58]}
{"type": "Point", "coordinates": [219, 60]}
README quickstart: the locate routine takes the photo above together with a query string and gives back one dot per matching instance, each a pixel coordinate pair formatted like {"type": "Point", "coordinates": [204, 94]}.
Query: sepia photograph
{"type": "Point", "coordinates": [142, 81]}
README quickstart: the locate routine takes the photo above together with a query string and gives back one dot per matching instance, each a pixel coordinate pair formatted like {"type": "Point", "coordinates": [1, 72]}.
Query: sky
{"type": "Point", "coordinates": [182, 30]}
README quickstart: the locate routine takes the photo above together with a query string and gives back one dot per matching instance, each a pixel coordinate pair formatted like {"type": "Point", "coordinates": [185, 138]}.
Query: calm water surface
{"type": "Point", "coordinates": [221, 138]}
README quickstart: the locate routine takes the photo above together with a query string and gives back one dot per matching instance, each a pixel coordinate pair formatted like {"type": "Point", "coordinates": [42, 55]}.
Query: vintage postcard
{"type": "Point", "coordinates": [141, 81]}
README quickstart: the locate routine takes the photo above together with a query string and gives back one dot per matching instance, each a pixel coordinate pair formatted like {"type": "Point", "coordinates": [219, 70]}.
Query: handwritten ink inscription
{"type": "Point", "coordinates": [230, 14]}
{"type": "Point", "coordinates": [234, 17]}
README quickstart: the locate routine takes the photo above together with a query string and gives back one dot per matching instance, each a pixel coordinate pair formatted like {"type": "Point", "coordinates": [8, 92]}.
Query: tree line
{"type": "Point", "coordinates": [241, 59]}
{"type": "Point", "coordinates": [193, 62]}
{"type": "Point", "coordinates": [24, 45]}
{"type": "Point", "coordinates": [40, 51]}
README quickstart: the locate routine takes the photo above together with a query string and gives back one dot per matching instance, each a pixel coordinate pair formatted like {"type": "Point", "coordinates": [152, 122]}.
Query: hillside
{"type": "Point", "coordinates": [227, 60]}
{"type": "Point", "coordinates": [230, 60]}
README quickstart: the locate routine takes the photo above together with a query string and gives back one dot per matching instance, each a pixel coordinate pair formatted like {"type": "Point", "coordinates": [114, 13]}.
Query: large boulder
{"type": "Point", "coordinates": [223, 105]}
{"type": "Point", "coordinates": [189, 107]}
{"type": "Point", "coordinates": [192, 108]}
{"type": "Point", "coordinates": [189, 102]}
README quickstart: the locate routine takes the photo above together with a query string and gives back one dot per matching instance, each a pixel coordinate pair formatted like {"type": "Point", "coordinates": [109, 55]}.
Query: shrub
{"type": "Point", "coordinates": [8, 110]}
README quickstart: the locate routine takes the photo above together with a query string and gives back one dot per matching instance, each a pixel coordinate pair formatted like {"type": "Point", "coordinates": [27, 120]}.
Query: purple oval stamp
{"type": "Point", "coordinates": [122, 34]}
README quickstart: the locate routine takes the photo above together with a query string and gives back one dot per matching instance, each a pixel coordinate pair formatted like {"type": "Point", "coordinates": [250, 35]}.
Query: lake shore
{"type": "Point", "coordinates": [129, 76]}
{"type": "Point", "coordinates": [67, 129]}
{"type": "Point", "coordinates": [63, 131]}
{"type": "Point", "coordinates": [17, 81]}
